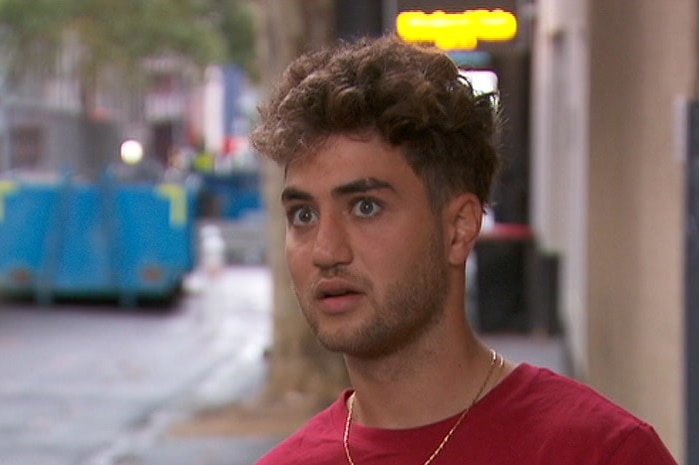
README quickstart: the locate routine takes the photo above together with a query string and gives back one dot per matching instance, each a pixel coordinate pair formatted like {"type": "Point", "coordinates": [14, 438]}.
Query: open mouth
{"type": "Point", "coordinates": [335, 289]}
{"type": "Point", "coordinates": [338, 300]}
{"type": "Point", "coordinates": [338, 293]}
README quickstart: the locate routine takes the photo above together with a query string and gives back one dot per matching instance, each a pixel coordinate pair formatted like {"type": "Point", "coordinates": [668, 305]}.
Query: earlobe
{"type": "Point", "coordinates": [465, 216]}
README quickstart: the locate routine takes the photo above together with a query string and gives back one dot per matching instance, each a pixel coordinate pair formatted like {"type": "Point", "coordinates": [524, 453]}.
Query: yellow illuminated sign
{"type": "Point", "coordinates": [457, 31]}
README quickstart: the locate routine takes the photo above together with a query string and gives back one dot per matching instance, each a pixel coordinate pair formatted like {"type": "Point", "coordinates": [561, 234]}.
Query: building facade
{"type": "Point", "coordinates": [610, 85]}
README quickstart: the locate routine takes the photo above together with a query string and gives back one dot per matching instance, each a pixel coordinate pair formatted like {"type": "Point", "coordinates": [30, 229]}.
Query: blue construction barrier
{"type": "Point", "coordinates": [231, 196]}
{"type": "Point", "coordinates": [90, 240]}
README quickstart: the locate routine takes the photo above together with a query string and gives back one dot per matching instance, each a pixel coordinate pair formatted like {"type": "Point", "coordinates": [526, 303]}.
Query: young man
{"type": "Point", "coordinates": [389, 159]}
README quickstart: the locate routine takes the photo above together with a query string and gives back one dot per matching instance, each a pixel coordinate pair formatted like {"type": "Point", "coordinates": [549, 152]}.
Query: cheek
{"type": "Point", "coordinates": [297, 260]}
{"type": "Point", "coordinates": [385, 255]}
{"type": "Point", "coordinates": [398, 252]}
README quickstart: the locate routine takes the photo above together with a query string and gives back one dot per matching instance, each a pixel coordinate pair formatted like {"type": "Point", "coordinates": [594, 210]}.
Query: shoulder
{"type": "Point", "coordinates": [314, 441]}
{"type": "Point", "coordinates": [564, 401]}
{"type": "Point", "coordinates": [642, 446]}
{"type": "Point", "coordinates": [570, 415]}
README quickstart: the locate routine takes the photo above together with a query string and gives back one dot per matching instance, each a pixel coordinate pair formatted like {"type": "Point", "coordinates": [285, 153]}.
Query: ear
{"type": "Point", "coordinates": [463, 217]}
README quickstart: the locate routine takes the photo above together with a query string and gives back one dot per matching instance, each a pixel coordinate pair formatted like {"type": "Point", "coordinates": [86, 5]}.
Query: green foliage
{"type": "Point", "coordinates": [29, 31]}
{"type": "Point", "coordinates": [237, 25]}
{"type": "Point", "coordinates": [121, 33]}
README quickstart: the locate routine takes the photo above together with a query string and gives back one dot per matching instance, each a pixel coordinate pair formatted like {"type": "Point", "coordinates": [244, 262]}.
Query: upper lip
{"type": "Point", "coordinates": [329, 287]}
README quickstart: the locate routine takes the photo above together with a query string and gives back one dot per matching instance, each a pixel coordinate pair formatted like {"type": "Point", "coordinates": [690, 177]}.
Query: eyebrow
{"type": "Point", "coordinates": [353, 187]}
{"type": "Point", "coordinates": [361, 185]}
{"type": "Point", "coordinates": [290, 194]}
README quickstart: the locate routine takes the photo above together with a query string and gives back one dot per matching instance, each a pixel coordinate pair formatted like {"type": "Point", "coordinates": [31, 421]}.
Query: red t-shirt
{"type": "Point", "coordinates": [533, 417]}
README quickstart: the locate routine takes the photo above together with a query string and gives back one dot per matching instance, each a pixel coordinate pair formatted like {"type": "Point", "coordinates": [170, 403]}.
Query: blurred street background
{"type": "Point", "coordinates": [93, 384]}
{"type": "Point", "coordinates": [145, 311]}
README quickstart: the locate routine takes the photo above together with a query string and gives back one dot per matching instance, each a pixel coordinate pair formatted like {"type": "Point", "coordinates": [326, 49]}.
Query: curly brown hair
{"type": "Point", "coordinates": [412, 96]}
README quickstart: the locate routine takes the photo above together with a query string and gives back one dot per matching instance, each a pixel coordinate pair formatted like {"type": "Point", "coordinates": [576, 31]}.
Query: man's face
{"type": "Point", "coordinates": [365, 251]}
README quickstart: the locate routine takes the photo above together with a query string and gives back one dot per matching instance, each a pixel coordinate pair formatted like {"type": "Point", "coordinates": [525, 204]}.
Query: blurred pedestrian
{"type": "Point", "coordinates": [389, 158]}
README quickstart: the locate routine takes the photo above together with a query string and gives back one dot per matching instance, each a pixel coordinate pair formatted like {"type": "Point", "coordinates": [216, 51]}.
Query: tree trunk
{"type": "Point", "coordinates": [298, 366]}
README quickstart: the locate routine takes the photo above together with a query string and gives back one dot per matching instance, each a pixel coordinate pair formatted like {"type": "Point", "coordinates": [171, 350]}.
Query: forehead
{"type": "Point", "coordinates": [344, 158]}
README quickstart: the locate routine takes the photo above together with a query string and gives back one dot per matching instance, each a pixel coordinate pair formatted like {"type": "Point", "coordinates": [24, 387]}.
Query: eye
{"type": "Point", "coordinates": [302, 216]}
{"type": "Point", "coordinates": [366, 208]}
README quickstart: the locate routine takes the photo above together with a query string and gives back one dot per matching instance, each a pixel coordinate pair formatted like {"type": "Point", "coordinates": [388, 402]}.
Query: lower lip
{"type": "Point", "coordinates": [340, 304]}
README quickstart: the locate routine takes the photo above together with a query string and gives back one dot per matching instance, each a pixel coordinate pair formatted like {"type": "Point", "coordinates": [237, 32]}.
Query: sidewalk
{"type": "Point", "coordinates": [158, 445]}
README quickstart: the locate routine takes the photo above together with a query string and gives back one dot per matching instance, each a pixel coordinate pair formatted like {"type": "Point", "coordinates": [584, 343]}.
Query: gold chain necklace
{"type": "Point", "coordinates": [495, 359]}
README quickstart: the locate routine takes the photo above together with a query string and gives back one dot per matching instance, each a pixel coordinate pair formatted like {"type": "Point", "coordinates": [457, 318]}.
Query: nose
{"type": "Point", "coordinates": [332, 245]}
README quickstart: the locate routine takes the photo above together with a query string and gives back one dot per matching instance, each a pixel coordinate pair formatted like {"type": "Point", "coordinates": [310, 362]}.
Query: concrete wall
{"type": "Point", "coordinates": [642, 61]}
{"type": "Point", "coordinates": [608, 191]}
{"type": "Point", "coordinates": [559, 158]}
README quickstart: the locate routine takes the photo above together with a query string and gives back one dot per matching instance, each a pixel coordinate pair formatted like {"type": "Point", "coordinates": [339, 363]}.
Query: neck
{"type": "Point", "coordinates": [435, 378]}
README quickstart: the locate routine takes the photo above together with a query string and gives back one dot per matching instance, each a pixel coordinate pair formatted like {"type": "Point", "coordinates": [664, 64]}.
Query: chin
{"type": "Point", "coordinates": [333, 342]}
{"type": "Point", "coordinates": [353, 348]}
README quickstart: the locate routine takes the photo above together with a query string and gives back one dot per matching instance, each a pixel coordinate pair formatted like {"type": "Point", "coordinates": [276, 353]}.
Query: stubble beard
{"type": "Point", "coordinates": [412, 305]}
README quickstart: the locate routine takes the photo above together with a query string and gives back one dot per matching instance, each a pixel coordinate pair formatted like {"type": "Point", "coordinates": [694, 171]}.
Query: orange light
{"type": "Point", "coordinates": [457, 31]}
